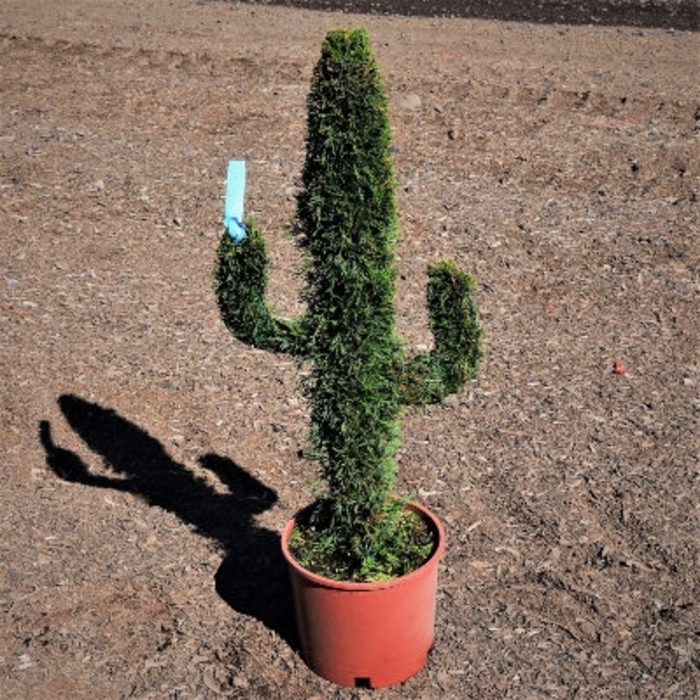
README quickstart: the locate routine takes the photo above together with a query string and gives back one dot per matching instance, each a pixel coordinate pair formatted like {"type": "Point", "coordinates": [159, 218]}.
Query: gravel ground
{"type": "Point", "coordinates": [149, 460]}
{"type": "Point", "coordinates": [668, 14]}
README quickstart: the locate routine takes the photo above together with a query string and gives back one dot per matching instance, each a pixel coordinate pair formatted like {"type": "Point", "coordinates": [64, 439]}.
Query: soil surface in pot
{"type": "Point", "coordinates": [414, 541]}
{"type": "Point", "coordinates": [149, 461]}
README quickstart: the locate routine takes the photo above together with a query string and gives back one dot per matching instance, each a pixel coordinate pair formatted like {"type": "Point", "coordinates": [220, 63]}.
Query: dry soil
{"type": "Point", "coordinates": [149, 460]}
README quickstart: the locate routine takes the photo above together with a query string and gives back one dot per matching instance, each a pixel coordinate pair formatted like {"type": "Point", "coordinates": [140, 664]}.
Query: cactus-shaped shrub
{"type": "Point", "coordinates": [359, 377]}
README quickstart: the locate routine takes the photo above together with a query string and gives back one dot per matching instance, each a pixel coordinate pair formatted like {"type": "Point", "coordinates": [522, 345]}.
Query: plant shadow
{"type": "Point", "coordinates": [252, 578]}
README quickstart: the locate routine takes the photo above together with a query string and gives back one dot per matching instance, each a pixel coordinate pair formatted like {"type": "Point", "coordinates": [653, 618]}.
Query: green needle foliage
{"type": "Point", "coordinates": [454, 322]}
{"type": "Point", "coordinates": [348, 219]}
{"type": "Point", "coordinates": [241, 277]}
{"type": "Point", "coordinates": [359, 378]}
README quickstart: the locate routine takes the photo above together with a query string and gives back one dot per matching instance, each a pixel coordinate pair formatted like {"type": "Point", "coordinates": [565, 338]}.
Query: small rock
{"type": "Point", "coordinates": [452, 401]}
{"type": "Point", "coordinates": [210, 681]}
{"type": "Point", "coordinates": [24, 662]}
{"type": "Point", "coordinates": [411, 101]}
{"type": "Point", "coordinates": [443, 678]}
{"type": "Point", "coordinates": [240, 682]}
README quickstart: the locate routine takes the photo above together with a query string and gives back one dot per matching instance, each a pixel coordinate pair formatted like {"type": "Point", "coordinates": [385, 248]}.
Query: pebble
{"type": "Point", "coordinates": [452, 401]}
{"type": "Point", "coordinates": [210, 681]}
{"type": "Point", "coordinates": [25, 662]}
{"type": "Point", "coordinates": [411, 101]}
{"type": "Point", "coordinates": [240, 682]}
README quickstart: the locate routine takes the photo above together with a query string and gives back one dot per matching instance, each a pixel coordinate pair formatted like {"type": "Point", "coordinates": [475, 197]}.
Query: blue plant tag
{"type": "Point", "coordinates": [233, 207]}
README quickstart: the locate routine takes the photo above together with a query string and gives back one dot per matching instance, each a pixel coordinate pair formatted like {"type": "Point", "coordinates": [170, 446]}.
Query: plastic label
{"type": "Point", "coordinates": [233, 207]}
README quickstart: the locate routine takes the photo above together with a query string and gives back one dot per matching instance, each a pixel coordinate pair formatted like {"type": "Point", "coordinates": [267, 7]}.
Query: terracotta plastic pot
{"type": "Point", "coordinates": [366, 635]}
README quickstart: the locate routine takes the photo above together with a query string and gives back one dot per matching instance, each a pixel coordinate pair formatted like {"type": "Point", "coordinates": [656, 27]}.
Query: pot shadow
{"type": "Point", "coordinates": [253, 577]}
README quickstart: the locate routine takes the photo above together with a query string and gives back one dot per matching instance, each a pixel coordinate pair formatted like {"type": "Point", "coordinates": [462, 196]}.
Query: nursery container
{"type": "Point", "coordinates": [367, 635]}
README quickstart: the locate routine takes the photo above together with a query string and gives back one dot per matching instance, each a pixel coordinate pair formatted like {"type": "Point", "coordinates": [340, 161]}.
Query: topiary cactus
{"type": "Point", "coordinates": [347, 223]}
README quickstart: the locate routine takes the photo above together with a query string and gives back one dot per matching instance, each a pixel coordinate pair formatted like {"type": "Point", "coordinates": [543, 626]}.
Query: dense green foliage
{"type": "Point", "coordinates": [359, 377]}
{"type": "Point", "coordinates": [241, 277]}
{"type": "Point", "coordinates": [454, 322]}
{"type": "Point", "coordinates": [399, 546]}
{"type": "Point", "coordinates": [347, 217]}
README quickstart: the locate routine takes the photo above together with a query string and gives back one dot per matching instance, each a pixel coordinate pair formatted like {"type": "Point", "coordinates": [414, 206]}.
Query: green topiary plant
{"type": "Point", "coordinates": [359, 377]}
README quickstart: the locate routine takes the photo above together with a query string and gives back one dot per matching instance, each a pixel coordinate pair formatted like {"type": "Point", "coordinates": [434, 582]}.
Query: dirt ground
{"type": "Point", "coordinates": [668, 14]}
{"type": "Point", "coordinates": [149, 460]}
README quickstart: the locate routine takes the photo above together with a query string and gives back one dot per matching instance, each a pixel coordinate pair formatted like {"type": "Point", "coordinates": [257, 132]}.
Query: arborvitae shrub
{"type": "Point", "coordinates": [358, 374]}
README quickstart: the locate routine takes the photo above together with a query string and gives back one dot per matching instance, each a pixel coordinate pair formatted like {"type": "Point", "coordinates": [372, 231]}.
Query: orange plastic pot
{"type": "Point", "coordinates": [366, 635]}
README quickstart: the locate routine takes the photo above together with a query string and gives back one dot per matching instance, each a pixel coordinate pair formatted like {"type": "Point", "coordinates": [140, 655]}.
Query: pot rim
{"type": "Point", "coordinates": [427, 566]}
